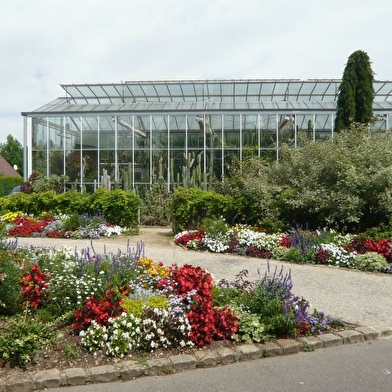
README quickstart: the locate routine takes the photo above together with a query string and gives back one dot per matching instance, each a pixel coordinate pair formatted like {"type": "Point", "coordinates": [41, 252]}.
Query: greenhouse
{"type": "Point", "coordinates": [178, 133]}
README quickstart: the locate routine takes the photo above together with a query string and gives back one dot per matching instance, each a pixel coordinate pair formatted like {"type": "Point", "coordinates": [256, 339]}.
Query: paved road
{"type": "Point", "coordinates": [356, 297]}
{"type": "Point", "coordinates": [363, 367]}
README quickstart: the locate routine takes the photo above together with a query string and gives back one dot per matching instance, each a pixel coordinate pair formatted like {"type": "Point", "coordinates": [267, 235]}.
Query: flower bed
{"type": "Point", "coordinates": [297, 245]}
{"type": "Point", "coordinates": [122, 303]}
{"type": "Point", "coordinates": [16, 224]}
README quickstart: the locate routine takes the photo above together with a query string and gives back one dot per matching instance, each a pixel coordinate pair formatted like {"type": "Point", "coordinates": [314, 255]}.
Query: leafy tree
{"type": "Point", "coordinates": [343, 183]}
{"type": "Point", "coordinates": [356, 92]}
{"type": "Point", "coordinates": [12, 152]}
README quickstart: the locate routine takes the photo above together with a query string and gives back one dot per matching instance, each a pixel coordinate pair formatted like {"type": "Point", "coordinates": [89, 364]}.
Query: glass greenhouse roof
{"type": "Point", "coordinates": [204, 91]}
{"type": "Point", "coordinates": [270, 95]}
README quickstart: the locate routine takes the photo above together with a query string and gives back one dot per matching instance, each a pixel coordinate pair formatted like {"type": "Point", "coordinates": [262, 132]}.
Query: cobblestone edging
{"type": "Point", "coordinates": [129, 370]}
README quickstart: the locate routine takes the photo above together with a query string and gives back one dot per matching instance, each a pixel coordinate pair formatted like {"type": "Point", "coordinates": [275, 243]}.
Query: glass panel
{"type": "Point", "coordinates": [159, 132]}
{"type": "Point", "coordinates": [149, 90]}
{"type": "Point", "coordinates": [195, 132]}
{"type": "Point", "coordinates": [97, 91]}
{"type": "Point", "coordinates": [39, 160]}
{"type": "Point", "coordinates": [306, 89]}
{"type": "Point", "coordinates": [293, 88]}
{"type": "Point", "coordinates": [188, 89]}
{"type": "Point", "coordinates": [162, 90]}
{"type": "Point", "coordinates": [304, 124]}
{"type": "Point", "coordinates": [175, 90]}
{"type": "Point", "coordinates": [135, 90]}
{"type": "Point", "coordinates": [241, 88]}
{"type": "Point", "coordinates": [90, 166]}
{"type": "Point", "coordinates": [216, 131]}
{"type": "Point", "coordinates": [39, 137]}
{"type": "Point", "coordinates": [56, 159]}
{"type": "Point", "coordinates": [286, 129]}
{"type": "Point", "coordinates": [177, 131]}
{"type": "Point", "coordinates": [254, 89]}
{"type": "Point", "coordinates": [227, 89]}
{"type": "Point", "coordinates": [90, 134]}
{"type": "Point", "coordinates": [323, 126]}
{"type": "Point", "coordinates": [268, 132]}
{"type": "Point", "coordinates": [232, 131]}
{"type": "Point", "coordinates": [250, 134]}
{"type": "Point", "coordinates": [141, 132]}
{"type": "Point", "coordinates": [159, 166]}
{"type": "Point", "coordinates": [112, 91]}
{"type": "Point", "coordinates": [73, 91]}
{"type": "Point", "coordinates": [214, 89]}
{"type": "Point", "coordinates": [137, 172]}
{"type": "Point", "coordinates": [280, 88]}
{"type": "Point", "coordinates": [72, 166]}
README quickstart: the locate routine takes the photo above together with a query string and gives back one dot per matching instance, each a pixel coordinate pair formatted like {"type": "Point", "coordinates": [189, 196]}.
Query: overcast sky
{"type": "Point", "coordinates": [45, 43]}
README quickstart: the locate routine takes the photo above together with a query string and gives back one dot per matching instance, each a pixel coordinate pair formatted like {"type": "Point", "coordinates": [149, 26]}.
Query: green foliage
{"type": "Point", "coordinates": [42, 202]}
{"type": "Point", "coordinates": [250, 190]}
{"type": "Point", "coordinates": [72, 223]}
{"type": "Point", "coordinates": [383, 230]}
{"type": "Point", "coordinates": [270, 311]}
{"type": "Point", "coordinates": [356, 92]}
{"type": "Point", "coordinates": [12, 152]}
{"type": "Point", "coordinates": [343, 182]}
{"type": "Point", "coordinates": [17, 202]}
{"type": "Point", "coordinates": [250, 329]}
{"type": "Point", "coordinates": [155, 203]}
{"type": "Point", "coordinates": [10, 291]}
{"type": "Point", "coordinates": [280, 253]}
{"type": "Point", "coordinates": [214, 226]}
{"type": "Point", "coordinates": [53, 183]}
{"type": "Point", "coordinates": [294, 255]}
{"type": "Point", "coordinates": [370, 261]}
{"type": "Point", "coordinates": [118, 206]}
{"type": "Point", "coordinates": [190, 206]}
{"type": "Point", "coordinates": [24, 339]}
{"type": "Point", "coordinates": [135, 306]}
{"type": "Point", "coordinates": [157, 301]}
{"type": "Point", "coordinates": [72, 202]}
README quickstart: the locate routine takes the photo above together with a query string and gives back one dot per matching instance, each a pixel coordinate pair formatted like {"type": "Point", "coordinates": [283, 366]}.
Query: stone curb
{"type": "Point", "coordinates": [203, 358]}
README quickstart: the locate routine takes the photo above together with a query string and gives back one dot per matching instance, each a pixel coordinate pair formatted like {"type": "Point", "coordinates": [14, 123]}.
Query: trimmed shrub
{"type": "Point", "coordinates": [191, 206]}
{"type": "Point", "coordinates": [370, 261]}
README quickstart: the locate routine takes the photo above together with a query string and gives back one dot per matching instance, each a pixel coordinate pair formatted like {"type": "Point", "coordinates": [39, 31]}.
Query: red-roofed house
{"type": "Point", "coordinates": [6, 169]}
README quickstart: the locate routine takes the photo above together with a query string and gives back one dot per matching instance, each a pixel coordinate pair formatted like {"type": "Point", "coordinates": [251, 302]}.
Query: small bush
{"type": "Point", "coordinates": [370, 261]}
{"type": "Point", "coordinates": [10, 291]}
{"type": "Point", "coordinates": [24, 339]}
{"type": "Point", "coordinates": [118, 206]}
{"type": "Point", "coordinates": [191, 206]}
{"type": "Point", "coordinates": [280, 253]}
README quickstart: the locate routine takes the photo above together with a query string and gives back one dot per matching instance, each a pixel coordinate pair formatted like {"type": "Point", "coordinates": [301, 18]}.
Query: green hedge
{"type": "Point", "coordinates": [190, 206]}
{"type": "Point", "coordinates": [119, 207]}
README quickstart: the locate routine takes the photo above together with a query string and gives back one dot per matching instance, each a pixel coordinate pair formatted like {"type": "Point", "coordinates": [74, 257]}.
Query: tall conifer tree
{"type": "Point", "coordinates": [356, 92]}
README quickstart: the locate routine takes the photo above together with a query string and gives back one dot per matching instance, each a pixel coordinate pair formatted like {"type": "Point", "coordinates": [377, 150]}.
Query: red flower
{"type": "Point", "coordinates": [193, 235]}
{"type": "Point", "coordinates": [285, 241]}
{"type": "Point", "coordinates": [33, 286]}
{"type": "Point", "coordinates": [207, 323]}
{"type": "Point", "coordinates": [98, 309]}
{"type": "Point", "coordinates": [26, 227]}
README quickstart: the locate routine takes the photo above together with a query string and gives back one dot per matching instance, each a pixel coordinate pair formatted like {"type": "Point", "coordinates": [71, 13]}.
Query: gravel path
{"type": "Point", "coordinates": [353, 296]}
